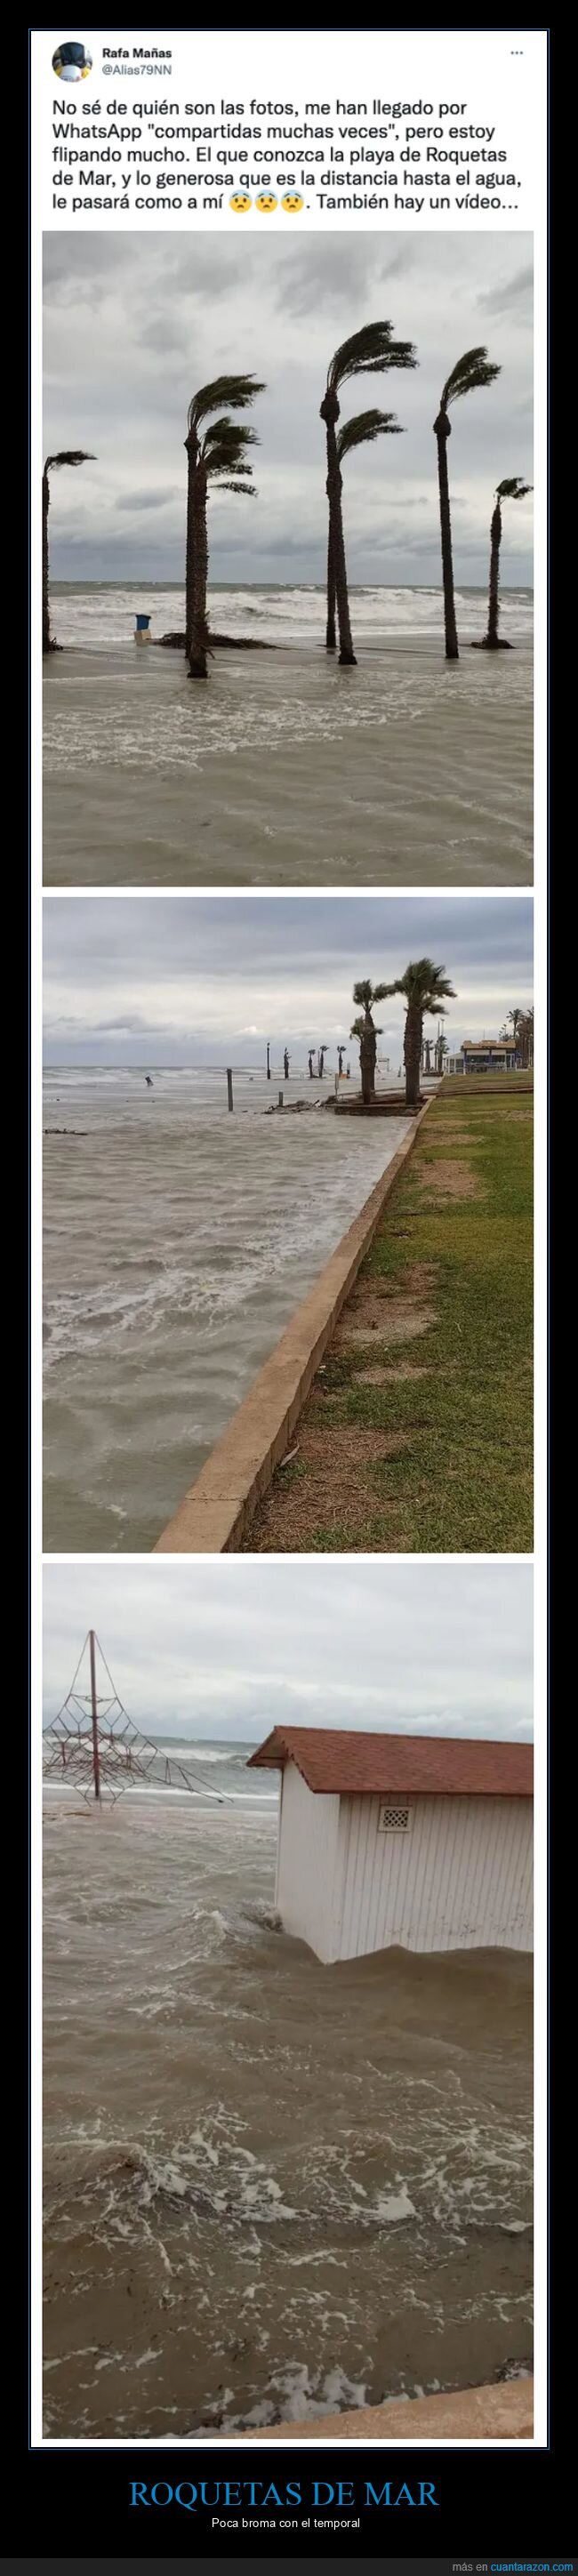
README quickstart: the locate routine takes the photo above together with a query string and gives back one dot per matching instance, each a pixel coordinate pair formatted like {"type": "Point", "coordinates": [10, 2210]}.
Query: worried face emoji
{"type": "Point", "coordinates": [265, 205]}
{"type": "Point", "coordinates": [241, 205]}
{"type": "Point", "coordinates": [292, 205]}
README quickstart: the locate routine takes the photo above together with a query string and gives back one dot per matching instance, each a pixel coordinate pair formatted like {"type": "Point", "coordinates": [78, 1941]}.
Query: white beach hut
{"type": "Point", "coordinates": [423, 1842]}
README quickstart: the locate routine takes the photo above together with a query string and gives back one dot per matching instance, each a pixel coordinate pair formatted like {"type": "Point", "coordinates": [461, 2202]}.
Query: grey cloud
{"type": "Point", "coordinates": [147, 500]}
{"type": "Point", "coordinates": [178, 978]}
{"type": "Point", "coordinates": [155, 317]}
{"type": "Point", "coordinates": [236, 1649]}
{"type": "Point", "coordinates": [511, 294]}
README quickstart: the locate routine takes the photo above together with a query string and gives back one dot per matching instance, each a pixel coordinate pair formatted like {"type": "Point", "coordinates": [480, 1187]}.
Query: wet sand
{"type": "Point", "coordinates": [284, 770]}
{"type": "Point", "coordinates": [272, 2189]}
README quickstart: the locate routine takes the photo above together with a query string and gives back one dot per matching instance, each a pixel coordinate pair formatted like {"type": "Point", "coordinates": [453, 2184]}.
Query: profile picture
{"type": "Point", "coordinates": [72, 62]}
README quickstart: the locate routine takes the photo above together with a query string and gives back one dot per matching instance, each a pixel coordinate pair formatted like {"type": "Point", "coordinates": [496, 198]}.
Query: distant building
{"type": "Point", "coordinates": [417, 1841]}
{"type": "Point", "coordinates": [486, 1055]}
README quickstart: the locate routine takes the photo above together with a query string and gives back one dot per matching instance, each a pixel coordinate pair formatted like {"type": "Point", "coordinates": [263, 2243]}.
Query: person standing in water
{"type": "Point", "coordinates": [310, 1063]}
{"type": "Point", "coordinates": [286, 1063]}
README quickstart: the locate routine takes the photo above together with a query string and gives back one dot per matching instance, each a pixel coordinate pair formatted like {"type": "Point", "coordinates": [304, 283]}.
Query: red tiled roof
{"type": "Point", "coordinates": [423, 1765]}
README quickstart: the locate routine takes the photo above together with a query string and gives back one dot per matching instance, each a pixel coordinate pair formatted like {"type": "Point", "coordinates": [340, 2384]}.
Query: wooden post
{"type": "Point", "coordinates": [280, 1100]}
{"type": "Point", "coordinates": [229, 1087]}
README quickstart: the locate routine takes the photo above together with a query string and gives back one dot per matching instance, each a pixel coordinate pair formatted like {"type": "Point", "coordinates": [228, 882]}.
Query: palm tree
{"type": "Point", "coordinates": [237, 393]}
{"type": "Point", "coordinates": [365, 427]}
{"type": "Point", "coordinates": [473, 371]}
{"type": "Point", "coordinates": [222, 463]}
{"type": "Point", "coordinates": [67, 456]}
{"type": "Point", "coordinates": [512, 489]}
{"type": "Point", "coordinates": [526, 1037]}
{"type": "Point", "coordinates": [370, 352]}
{"type": "Point", "coordinates": [364, 1028]}
{"type": "Point", "coordinates": [515, 1018]}
{"type": "Point", "coordinates": [426, 988]}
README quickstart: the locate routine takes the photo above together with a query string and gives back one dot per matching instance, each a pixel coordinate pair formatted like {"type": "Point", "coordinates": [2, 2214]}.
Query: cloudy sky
{"type": "Point", "coordinates": [134, 324]}
{"type": "Point", "coordinates": [229, 1650]}
{"type": "Point", "coordinates": [208, 981]}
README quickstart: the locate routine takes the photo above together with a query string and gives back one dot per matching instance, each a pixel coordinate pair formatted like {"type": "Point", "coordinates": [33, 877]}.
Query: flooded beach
{"type": "Point", "coordinates": [271, 2188]}
{"type": "Point", "coordinates": [286, 770]}
{"type": "Point", "coordinates": [178, 1242]}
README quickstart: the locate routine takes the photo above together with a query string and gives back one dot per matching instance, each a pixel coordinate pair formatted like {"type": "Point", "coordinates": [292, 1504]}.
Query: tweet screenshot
{"type": "Point", "coordinates": [289, 900]}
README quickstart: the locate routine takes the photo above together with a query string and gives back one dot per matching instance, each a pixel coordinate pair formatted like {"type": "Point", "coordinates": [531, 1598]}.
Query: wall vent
{"type": "Point", "coordinates": [394, 1820]}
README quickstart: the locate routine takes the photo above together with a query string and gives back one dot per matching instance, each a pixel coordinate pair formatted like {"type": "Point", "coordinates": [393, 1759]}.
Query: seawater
{"type": "Point", "coordinates": [271, 2188]}
{"type": "Point", "coordinates": [178, 1241]}
{"type": "Point", "coordinates": [94, 615]}
{"type": "Point", "coordinates": [286, 769]}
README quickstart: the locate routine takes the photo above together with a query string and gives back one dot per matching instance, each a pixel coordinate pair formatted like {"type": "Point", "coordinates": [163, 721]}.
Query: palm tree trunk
{"type": "Point", "coordinates": [412, 1041]}
{"type": "Point", "coordinates": [367, 1078]}
{"type": "Point", "coordinates": [442, 428]}
{"type": "Point", "coordinates": [368, 1057]}
{"type": "Point", "coordinates": [330, 414]}
{"type": "Point", "coordinates": [198, 644]}
{"type": "Point", "coordinates": [330, 628]}
{"type": "Point", "coordinates": [46, 636]}
{"type": "Point", "coordinates": [492, 638]}
{"type": "Point", "coordinates": [191, 445]}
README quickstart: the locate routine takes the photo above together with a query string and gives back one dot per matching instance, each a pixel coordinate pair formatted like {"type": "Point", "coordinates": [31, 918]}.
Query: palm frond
{"type": "Point", "coordinates": [369, 351]}
{"type": "Point", "coordinates": [426, 985]}
{"type": "Point", "coordinates": [220, 463]}
{"type": "Point", "coordinates": [234, 391]}
{"type": "Point", "coordinates": [223, 461]}
{"type": "Point", "coordinates": [364, 428]}
{"type": "Point", "coordinates": [70, 456]}
{"type": "Point", "coordinates": [230, 435]}
{"type": "Point", "coordinates": [225, 485]}
{"type": "Point", "coordinates": [513, 489]}
{"type": "Point", "coordinates": [473, 371]}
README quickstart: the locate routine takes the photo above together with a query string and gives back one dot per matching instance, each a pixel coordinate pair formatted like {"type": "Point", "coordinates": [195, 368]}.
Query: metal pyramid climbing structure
{"type": "Point", "coordinates": [93, 1745]}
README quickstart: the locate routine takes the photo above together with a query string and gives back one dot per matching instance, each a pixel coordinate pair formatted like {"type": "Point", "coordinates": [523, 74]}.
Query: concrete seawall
{"type": "Point", "coordinates": [217, 1510]}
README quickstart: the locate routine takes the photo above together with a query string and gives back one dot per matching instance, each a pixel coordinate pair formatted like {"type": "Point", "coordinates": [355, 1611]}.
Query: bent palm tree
{"type": "Point", "coordinates": [67, 456]}
{"type": "Point", "coordinates": [426, 988]}
{"type": "Point", "coordinates": [365, 427]}
{"type": "Point", "coordinates": [222, 462]}
{"type": "Point", "coordinates": [364, 1028]}
{"type": "Point", "coordinates": [512, 489]}
{"type": "Point", "coordinates": [370, 352]}
{"type": "Point", "coordinates": [472, 372]}
{"type": "Point", "coordinates": [236, 393]}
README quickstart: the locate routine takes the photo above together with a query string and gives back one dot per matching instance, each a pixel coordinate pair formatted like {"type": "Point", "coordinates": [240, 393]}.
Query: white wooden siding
{"type": "Point", "coordinates": [306, 1863]}
{"type": "Point", "coordinates": [461, 1879]}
